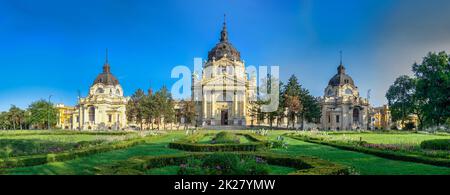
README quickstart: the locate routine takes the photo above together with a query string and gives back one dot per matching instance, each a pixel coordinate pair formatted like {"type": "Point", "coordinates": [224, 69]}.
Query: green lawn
{"type": "Point", "coordinates": [86, 165]}
{"type": "Point", "coordinates": [381, 138]}
{"type": "Point", "coordinates": [362, 163]}
{"type": "Point", "coordinates": [21, 143]}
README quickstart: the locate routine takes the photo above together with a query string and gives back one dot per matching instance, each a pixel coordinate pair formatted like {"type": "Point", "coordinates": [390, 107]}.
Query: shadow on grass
{"type": "Point", "coordinates": [362, 163]}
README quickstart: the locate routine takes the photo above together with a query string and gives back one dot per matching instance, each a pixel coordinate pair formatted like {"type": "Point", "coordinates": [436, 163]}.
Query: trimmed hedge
{"type": "Point", "coordinates": [304, 165]}
{"type": "Point", "coordinates": [39, 159]}
{"type": "Point", "coordinates": [189, 144]}
{"type": "Point", "coordinates": [436, 144]}
{"type": "Point", "coordinates": [393, 155]}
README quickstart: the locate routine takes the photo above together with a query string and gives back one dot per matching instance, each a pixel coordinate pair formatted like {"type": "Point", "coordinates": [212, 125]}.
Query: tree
{"type": "Point", "coordinates": [310, 111]}
{"type": "Point", "coordinates": [4, 121]}
{"type": "Point", "coordinates": [433, 87]}
{"type": "Point", "coordinates": [400, 98]}
{"type": "Point", "coordinates": [169, 111]}
{"type": "Point", "coordinates": [149, 109]}
{"type": "Point", "coordinates": [163, 107]}
{"type": "Point", "coordinates": [280, 113]}
{"type": "Point", "coordinates": [292, 93]}
{"type": "Point", "coordinates": [41, 112]}
{"type": "Point", "coordinates": [135, 108]}
{"type": "Point", "coordinates": [294, 106]}
{"type": "Point", "coordinates": [253, 108]}
{"type": "Point", "coordinates": [266, 99]}
{"type": "Point", "coordinates": [16, 116]}
{"type": "Point", "coordinates": [188, 112]}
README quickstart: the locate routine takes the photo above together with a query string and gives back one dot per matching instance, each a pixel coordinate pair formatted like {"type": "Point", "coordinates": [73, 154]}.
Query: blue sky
{"type": "Point", "coordinates": [58, 47]}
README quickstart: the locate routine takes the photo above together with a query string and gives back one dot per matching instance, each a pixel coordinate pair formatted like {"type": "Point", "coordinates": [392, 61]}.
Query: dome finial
{"type": "Point", "coordinates": [106, 68]}
{"type": "Point", "coordinates": [341, 68]}
{"type": "Point", "coordinates": [224, 33]}
{"type": "Point", "coordinates": [106, 57]}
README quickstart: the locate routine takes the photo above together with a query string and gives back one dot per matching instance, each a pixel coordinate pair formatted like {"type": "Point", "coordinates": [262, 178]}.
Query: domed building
{"type": "Point", "coordinates": [104, 107]}
{"type": "Point", "coordinates": [223, 91]}
{"type": "Point", "coordinates": [342, 107]}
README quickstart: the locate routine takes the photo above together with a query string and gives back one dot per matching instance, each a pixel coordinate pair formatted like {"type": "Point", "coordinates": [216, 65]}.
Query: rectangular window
{"type": "Point", "coordinates": [337, 118]}
{"type": "Point", "coordinates": [78, 119]}
{"type": "Point", "coordinates": [109, 118]}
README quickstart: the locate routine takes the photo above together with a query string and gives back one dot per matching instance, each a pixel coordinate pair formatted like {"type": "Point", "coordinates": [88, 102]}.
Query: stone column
{"type": "Point", "coordinates": [213, 102]}
{"type": "Point", "coordinates": [244, 105]}
{"type": "Point", "coordinates": [235, 102]}
{"type": "Point", "coordinates": [204, 104]}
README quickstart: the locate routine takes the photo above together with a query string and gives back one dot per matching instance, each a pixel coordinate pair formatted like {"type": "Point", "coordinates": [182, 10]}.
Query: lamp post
{"type": "Point", "coordinates": [48, 112]}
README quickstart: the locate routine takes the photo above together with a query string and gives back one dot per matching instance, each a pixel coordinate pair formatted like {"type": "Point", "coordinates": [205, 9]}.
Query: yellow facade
{"type": "Point", "coordinates": [65, 116]}
{"type": "Point", "coordinates": [414, 119]}
{"type": "Point", "coordinates": [382, 118]}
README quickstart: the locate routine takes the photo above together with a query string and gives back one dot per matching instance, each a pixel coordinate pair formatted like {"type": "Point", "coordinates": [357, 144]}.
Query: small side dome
{"type": "Point", "coordinates": [341, 78]}
{"type": "Point", "coordinates": [106, 77]}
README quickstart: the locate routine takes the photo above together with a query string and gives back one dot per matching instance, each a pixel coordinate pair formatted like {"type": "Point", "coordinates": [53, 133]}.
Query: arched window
{"type": "Point", "coordinates": [330, 92]}
{"type": "Point", "coordinates": [100, 90]}
{"type": "Point", "coordinates": [118, 92]}
{"type": "Point", "coordinates": [348, 91]}
{"type": "Point", "coordinates": [355, 115]}
{"type": "Point", "coordinates": [92, 114]}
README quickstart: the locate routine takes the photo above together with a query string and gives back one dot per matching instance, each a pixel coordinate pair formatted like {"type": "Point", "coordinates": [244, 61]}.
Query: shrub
{"type": "Point", "coordinates": [193, 166]}
{"type": "Point", "coordinates": [225, 138]}
{"type": "Point", "coordinates": [224, 164]}
{"type": "Point", "coordinates": [5, 152]}
{"type": "Point", "coordinates": [436, 144]}
{"type": "Point", "coordinates": [249, 164]}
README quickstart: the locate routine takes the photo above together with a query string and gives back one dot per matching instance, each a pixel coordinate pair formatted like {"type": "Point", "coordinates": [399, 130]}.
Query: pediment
{"type": "Point", "coordinates": [224, 80]}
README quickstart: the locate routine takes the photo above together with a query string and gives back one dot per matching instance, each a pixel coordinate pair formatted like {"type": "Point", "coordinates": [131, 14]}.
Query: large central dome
{"type": "Point", "coordinates": [224, 48]}
{"type": "Point", "coordinates": [106, 77]}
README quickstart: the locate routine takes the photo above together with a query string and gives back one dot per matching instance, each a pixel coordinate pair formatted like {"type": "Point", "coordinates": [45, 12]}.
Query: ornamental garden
{"type": "Point", "coordinates": [231, 152]}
